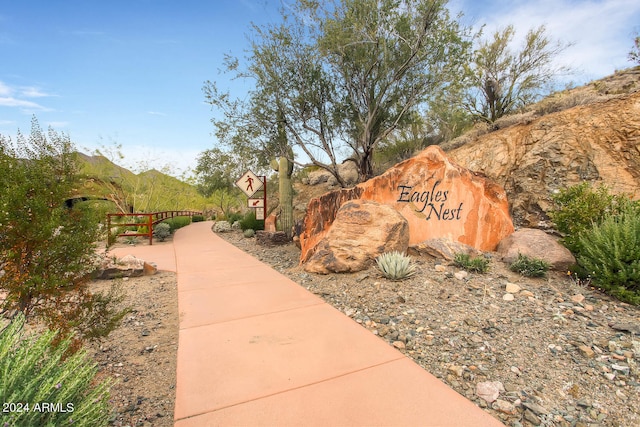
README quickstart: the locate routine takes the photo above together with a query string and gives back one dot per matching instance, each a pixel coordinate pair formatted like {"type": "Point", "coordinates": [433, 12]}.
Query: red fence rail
{"type": "Point", "coordinates": [149, 220]}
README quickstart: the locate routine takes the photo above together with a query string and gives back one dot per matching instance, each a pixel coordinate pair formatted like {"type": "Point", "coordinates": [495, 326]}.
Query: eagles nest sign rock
{"type": "Point", "coordinates": [438, 198]}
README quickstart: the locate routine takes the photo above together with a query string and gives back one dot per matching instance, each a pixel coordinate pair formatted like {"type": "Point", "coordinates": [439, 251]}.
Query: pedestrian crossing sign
{"type": "Point", "coordinates": [249, 183]}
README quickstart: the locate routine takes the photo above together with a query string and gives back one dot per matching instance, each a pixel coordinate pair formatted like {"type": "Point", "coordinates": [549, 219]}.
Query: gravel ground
{"type": "Point", "coordinates": [141, 354]}
{"type": "Point", "coordinates": [550, 352]}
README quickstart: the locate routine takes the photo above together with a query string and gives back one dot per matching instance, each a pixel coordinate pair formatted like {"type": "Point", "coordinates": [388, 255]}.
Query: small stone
{"type": "Point", "coordinates": [584, 403]}
{"type": "Point", "coordinates": [610, 376]}
{"type": "Point", "coordinates": [527, 294]}
{"type": "Point", "coordinates": [399, 345]}
{"type": "Point", "coordinates": [586, 351]}
{"type": "Point", "coordinates": [458, 370]}
{"type": "Point", "coordinates": [620, 368]}
{"type": "Point", "coordinates": [535, 408]}
{"type": "Point", "coordinates": [578, 298]}
{"type": "Point", "coordinates": [508, 297]}
{"type": "Point", "coordinates": [489, 390]}
{"type": "Point", "coordinates": [461, 275]}
{"type": "Point", "coordinates": [512, 288]}
{"type": "Point", "coordinates": [504, 406]}
{"type": "Point", "coordinates": [440, 268]}
{"type": "Point", "coordinates": [532, 418]}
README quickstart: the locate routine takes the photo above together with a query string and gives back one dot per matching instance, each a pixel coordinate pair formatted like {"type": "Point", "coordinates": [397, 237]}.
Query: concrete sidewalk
{"type": "Point", "coordinates": [256, 348]}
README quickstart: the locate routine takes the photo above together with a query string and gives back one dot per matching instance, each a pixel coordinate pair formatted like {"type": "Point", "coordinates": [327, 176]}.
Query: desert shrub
{"type": "Point", "coordinates": [48, 250]}
{"type": "Point", "coordinates": [177, 222]}
{"type": "Point", "coordinates": [142, 229]}
{"type": "Point", "coordinates": [248, 233]}
{"type": "Point", "coordinates": [395, 265]}
{"type": "Point", "coordinates": [197, 218]}
{"type": "Point", "coordinates": [513, 119]}
{"type": "Point", "coordinates": [35, 371]}
{"type": "Point", "coordinates": [578, 207]}
{"type": "Point", "coordinates": [474, 265]}
{"type": "Point", "coordinates": [162, 231]}
{"type": "Point", "coordinates": [610, 253]}
{"type": "Point", "coordinates": [564, 100]}
{"type": "Point", "coordinates": [221, 227]}
{"type": "Point", "coordinates": [233, 217]}
{"type": "Point", "coordinates": [529, 266]}
{"type": "Point", "coordinates": [250, 222]}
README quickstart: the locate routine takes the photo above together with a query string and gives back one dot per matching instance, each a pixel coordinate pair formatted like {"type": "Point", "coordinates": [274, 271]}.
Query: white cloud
{"type": "Point", "coordinates": [5, 90]}
{"type": "Point", "coordinates": [14, 97]}
{"type": "Point", "coordinates": [33, 92]}
{"type": "Point", "coordinates": [156, 113]}
{"type": "Point", "coordinates": [21, 103]}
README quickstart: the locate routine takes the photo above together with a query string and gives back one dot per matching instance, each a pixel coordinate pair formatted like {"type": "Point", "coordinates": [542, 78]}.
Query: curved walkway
{"type": "Point", "coordinates": [256, 348]}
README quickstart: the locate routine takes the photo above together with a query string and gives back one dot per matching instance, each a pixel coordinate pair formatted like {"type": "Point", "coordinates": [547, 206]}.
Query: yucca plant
{"type": "Point", "coordinates": [395, 265]}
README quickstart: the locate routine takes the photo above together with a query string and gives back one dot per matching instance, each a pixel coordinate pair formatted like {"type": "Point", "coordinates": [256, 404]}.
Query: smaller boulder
{"type": "Point", "coordinates": [271, 238]}
{"type": "Point", "coordinates": [442, 248]}
{"type": "Point", "coordinates": [535, 243]}
{"type": "Point", "coordinates": [127, 266]}
{"type": "Point", "coordinates": [362, 231]}
{"type": "Point", "coordinates": [270, 222]}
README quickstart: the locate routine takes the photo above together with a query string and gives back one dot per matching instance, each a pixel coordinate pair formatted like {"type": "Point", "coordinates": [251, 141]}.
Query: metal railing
{"type": "Point", "coordinates": [149, 220]}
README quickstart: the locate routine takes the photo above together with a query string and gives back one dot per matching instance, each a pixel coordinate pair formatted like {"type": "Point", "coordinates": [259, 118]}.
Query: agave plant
{"type": "Point", "coordinates": [395, 265]}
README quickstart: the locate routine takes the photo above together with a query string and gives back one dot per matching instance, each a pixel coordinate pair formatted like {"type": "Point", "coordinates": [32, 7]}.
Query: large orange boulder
{"type": "Point", "coordinates": [437, 197]}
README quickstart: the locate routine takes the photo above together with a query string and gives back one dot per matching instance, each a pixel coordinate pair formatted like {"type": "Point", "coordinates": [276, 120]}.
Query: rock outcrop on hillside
{"type": "Point", "coordinates": [599, 142]}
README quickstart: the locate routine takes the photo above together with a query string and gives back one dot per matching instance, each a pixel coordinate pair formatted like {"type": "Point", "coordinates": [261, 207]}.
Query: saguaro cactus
{"type": "Point", "coordinates": [284, 167]}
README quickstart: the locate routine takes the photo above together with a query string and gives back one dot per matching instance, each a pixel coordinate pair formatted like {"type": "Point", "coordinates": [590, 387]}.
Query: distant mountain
{"type": "Point", "coordinates": [147, 191]}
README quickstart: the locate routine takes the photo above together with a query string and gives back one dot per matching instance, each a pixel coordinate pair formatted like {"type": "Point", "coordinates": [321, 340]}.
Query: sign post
{"type": "Point", "coordinates": [250, 184]}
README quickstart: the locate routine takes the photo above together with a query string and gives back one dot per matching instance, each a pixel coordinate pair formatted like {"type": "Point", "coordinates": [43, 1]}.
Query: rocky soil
{"type": "Point", "coordinates": [141, 354]}
{"type": "Point", "coordinates": [551, 352]}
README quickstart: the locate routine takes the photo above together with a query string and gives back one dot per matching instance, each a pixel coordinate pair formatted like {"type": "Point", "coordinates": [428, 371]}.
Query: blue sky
{"type": "Point", "coordinates": [131, 72]}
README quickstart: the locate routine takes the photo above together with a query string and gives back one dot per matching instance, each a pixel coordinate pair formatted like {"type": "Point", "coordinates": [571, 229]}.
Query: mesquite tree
{"type": "Point", "coordinates": [341, 76]}
{"type": "Point", "coordinates": [503, 80]}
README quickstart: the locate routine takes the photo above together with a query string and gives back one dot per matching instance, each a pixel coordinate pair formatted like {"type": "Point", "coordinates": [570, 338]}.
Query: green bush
{"type": "Point", "coordinates": [162, 231]}
{"type": "Point", "coordinates": [249, 233]}
{"type": "Point", "coordinates": [474, 265]}
{"type": "Point", "coordinates": [395, 265]}
{"type": "Point", "coordinates": [233, 217]}
{"type": "Point", "coordinates": [177, 222]}
{"type": "Point", "coordinates": [34, 371]}
{"type": "Point", "coordinates": [579, 207]}
{"type": "Point", "coordinates": [530, 267]}
{"type": "Point", "coordinates": [197, 218]}
{"type": "Point", "coordinates": [47, 250]}
{"type": "Point", "coordinates": [250, 222]}
{"type": "Point", "coordinates": [610, 253]}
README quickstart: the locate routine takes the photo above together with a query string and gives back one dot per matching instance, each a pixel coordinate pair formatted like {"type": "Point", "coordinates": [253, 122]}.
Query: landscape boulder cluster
{"type": "Point", "coordinates": [472, 198]}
